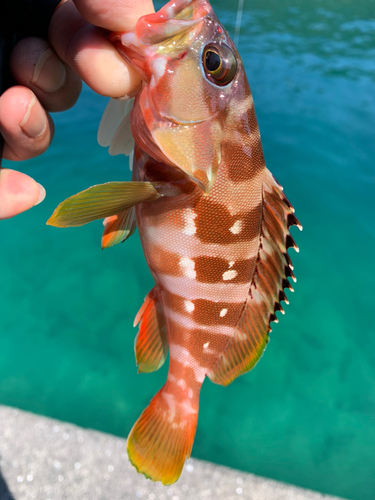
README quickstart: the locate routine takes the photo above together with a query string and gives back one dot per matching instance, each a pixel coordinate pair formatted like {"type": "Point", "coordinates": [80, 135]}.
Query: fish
{"type": "Point", "coordinates": [213, 222]}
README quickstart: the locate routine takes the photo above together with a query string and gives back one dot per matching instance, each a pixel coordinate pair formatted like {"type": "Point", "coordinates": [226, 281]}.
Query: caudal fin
{"type": "Point", "coordinates": [162, 438]}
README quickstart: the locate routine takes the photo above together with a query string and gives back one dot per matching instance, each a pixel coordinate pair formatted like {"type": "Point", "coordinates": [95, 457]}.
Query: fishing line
{"type": "Point", "coordinates": [238, 21]}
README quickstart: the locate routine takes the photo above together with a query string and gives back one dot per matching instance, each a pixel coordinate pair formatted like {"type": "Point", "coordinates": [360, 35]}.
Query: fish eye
{"type": "Point", "coordinates": [219, 63]}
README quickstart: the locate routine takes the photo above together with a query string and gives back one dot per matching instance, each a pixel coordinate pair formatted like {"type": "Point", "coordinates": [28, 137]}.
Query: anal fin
{"type": "Point", "coordinates": [119, 227]}
{"type": "Point", "coordinates": [151, 343]}
{"type": "Point", "coordinates": [273, 267]}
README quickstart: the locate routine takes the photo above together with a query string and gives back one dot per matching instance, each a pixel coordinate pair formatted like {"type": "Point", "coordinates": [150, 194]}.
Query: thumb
{"type": "Point", "coordinates": [18, 192]}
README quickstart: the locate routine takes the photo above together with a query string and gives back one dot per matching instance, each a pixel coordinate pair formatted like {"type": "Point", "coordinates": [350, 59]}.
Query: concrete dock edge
{"type": "Point", "coordinates": [46, 459]}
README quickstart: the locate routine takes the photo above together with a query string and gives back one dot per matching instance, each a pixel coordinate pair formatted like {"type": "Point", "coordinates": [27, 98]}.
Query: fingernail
{"type": "Point", "coordinates": [34, 122]}
{"type": "Point", "coordinates": [42, 194]}
{"type": "Point", "coordinates": [49, 72]}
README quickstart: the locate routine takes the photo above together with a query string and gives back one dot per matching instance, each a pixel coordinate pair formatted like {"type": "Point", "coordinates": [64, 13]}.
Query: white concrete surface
{"type": "Point", "coordinates": [45, 459]}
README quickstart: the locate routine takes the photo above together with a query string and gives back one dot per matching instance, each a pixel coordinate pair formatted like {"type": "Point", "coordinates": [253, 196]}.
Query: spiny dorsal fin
{"type": "Point", "coordinates": [119, 228]}
{"type": "Point", "coordinates": [266, 290]}
{"type": "Point", "coordinates": [151, 342]}
{"type": "Point", "coordinates": [103, 200]}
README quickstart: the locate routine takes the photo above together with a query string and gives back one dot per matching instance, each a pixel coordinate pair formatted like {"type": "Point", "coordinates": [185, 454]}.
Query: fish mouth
{"type": "Point", "coordinates": [173, 26]}
{"type": "Point", "coordinates": [175, 18]}
{"type": "Point", "coordinates": [138, 52]}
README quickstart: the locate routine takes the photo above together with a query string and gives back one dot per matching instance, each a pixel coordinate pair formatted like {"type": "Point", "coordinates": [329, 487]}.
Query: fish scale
{"type": "Point", "coordinates": [213, 222]}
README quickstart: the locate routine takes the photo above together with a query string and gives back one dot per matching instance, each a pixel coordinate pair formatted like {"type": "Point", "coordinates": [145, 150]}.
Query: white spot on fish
{"type": "Point", "coordinates": [188, 323]}
{"type": "Point", "coordinates": [187, 407]}
{"type": "Point", "coordinates": [190, 393]}
{"type": "Point", "coordinates": [231, 264]}
{"type": "Point", "coordinates": [181, 383]}
{"type": "Point", "coordinates": [206, 345]}
{"type": "Point", "coordinates": [189, 306]}
{"type": "Point", "coordinates": [223, 312]}
{"type": "Point", "coordinates": [189, 216]}
{"type": "Point", "coordinates": [237, 227]}
{"type": "Point", "coordinates": [188, 267]}
{"type": "Point", "coordinates": [171, 403]}
{"type": "Point", "coordinates": [229, 275]}
{"type": "Point", "coordinates": [172, 378]}
{"type": "Point", "coordinates": [183, 356]}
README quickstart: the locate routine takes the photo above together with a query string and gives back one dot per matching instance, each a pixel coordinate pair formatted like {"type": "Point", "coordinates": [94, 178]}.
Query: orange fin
{"type": "Point", "coordinates": [151, 342]}
{"type": "Point", "coordinates": [103, 200]}
{"type": "Point", "coordinates": [119, 228]}
{"type": "Point", "coordinates": [266, 290]}
{"type": "Point", "coordinates": [162, 438]}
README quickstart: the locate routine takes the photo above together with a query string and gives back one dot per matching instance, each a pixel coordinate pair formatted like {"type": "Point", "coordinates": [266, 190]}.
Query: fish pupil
{"type": "Point", "coordinates": [213, 60]}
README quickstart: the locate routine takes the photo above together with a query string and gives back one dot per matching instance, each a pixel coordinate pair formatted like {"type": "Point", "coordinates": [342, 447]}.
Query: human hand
{"type": "Point", "coordinates": [49, 76]}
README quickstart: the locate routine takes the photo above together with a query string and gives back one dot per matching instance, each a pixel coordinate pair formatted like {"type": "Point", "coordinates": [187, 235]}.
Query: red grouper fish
{"type": "Point", "coordinates": [213, 222]}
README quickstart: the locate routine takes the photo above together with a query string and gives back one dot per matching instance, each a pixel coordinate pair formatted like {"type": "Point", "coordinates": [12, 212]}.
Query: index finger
{"type": "Point", "coordinates": [114, 15]}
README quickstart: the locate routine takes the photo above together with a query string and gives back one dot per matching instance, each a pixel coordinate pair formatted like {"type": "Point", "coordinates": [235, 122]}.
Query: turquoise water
{"type": "Point", "coordinates": [306, 413]}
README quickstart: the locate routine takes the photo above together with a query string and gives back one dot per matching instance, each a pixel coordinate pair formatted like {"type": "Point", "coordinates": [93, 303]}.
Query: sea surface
{"type": "Point", "coordinates": [306, 413]}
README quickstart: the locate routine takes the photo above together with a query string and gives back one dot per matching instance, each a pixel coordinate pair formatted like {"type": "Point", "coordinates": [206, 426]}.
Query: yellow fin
{"type": "Point", "coordinates": [103, 200]}
{"type": "Point", "coordinates": [151, 343]}
{"type": "Point", "coordinates": [162, 438]}
{"type": "Point", "coordinates": [273, 268]}
{"type": "Point", "coordinates": [119, 228]}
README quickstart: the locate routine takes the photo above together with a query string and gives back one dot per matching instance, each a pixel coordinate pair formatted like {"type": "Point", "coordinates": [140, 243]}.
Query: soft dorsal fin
{"type": "Point", "coordinates": [104, 200]}
{"type": "Point", "coordinates": [119, 228]}
{"type": "Point", "coordinates": [266, 290]}
{"type": "Point", "coordinates": [151, 342]}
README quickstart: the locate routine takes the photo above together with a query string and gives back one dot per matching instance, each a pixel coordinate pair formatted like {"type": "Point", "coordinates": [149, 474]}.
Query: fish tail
{"type": "Point", "coordinates": [162, 438]}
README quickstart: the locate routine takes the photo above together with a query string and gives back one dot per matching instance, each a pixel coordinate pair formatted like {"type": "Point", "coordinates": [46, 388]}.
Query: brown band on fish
{"type": "Point", "coordinates": [219, 270]}
{"type": "Point", "coordinates": [215, 224]}
{"type": "Point", "coordinates": [205, 312]}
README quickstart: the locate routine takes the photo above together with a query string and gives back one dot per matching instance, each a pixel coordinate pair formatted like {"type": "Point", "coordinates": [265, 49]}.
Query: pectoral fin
{"type": "Point", "coordinates": [113, 116]}
{"type": "Point", "coordinates": [103, 200]}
